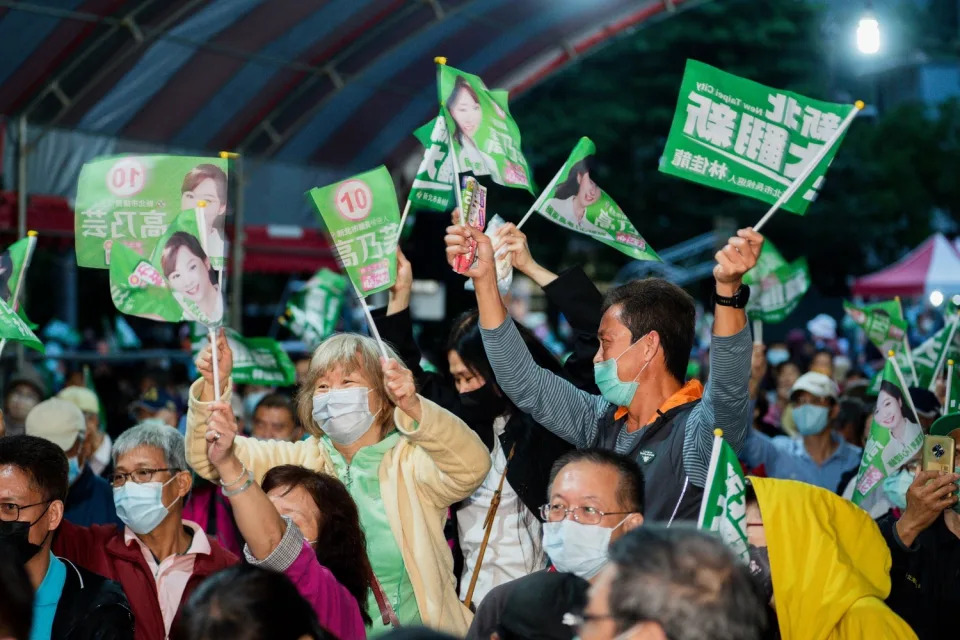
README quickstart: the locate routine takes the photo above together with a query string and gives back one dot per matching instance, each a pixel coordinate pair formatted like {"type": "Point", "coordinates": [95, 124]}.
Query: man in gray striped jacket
{"type": "Point", "coordinates": [645, 410]}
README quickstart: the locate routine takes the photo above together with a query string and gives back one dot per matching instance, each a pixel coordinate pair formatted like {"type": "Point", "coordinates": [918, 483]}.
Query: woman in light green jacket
{"type": "Point", "coordinates": [404, 460]}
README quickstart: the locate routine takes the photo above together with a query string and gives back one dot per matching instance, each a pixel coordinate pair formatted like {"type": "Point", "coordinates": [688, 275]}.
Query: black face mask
{"type": "Point", "coordinates": [483, 404]}
{"type": "Point", "coordinates": [760, 570]}
{"type": "Point", "coordinates": [16, 536]}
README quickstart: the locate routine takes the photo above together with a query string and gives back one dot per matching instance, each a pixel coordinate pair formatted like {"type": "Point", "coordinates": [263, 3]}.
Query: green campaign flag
{"type": "Point", "coordinates": [953, 389]}
{"type": "Point", "coordinates": [312, 313]}
{"type": "Point", "coordinates": [14, 263]}
{"type": "Point", "coordinates": [485, 137]}
{"type": "Point", "coordinates": [895, 436]}
{"type": "Point", "coordinates": [883, 322]}
{"type": "Point", "coordinates": [12, 328]}
{"type": "Point", "coordinates": [931, 356]}
{"type": "Point", "coordinates": [741, 136]}
{"type": "Point", "coordinates": [770, 260]}
{"type": "Point", "coordinates": [259, 361]}
{"type": "Point", "coordinates": [132, 200]}
{"type": "Point", "coordinates": [779, 292]}
{"type": "Point", "coordinates": [176, 284]}
{"type": "Point", "coordinates": [724, 506]}
{"type": "Point", "coordinates": [362, 216]}
{"type": "Point", "coordinates": [433, 185]}
{"type": "Point", "coordinates": [573, 200]}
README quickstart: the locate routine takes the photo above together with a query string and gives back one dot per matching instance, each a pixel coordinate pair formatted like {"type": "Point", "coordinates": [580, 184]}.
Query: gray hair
{"type": "Point", "coordinates": [353, 352]}
{"type": "Point", "coordinates": [153, 433]}
{"type": "Point", "coordinates": [688, 582]}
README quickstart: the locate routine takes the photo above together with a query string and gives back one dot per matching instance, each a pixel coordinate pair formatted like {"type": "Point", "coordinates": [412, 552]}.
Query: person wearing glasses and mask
{"type": "Point", "coordinates": [595, 497]}
{"type": "Point", "coordinates": [158, 557]}
{"type": "Point", "coordinates": [69, 603]}
{"type": "Point", "coordinates": [403, 459]}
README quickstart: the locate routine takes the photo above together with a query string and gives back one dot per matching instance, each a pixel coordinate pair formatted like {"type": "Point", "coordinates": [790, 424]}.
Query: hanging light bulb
{"type": "Point", "coordinates": [868, 35]}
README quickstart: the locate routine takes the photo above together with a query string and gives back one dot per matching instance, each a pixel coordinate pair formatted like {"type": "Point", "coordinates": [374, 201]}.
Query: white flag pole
{"type": "Point", "coordinates": [212, 333]}
{"type": "Point", "coordinates": [370, 322]}
{"type": "Point", "coordinates": [711, 475]}
{"type": "Point", "coordinates": [758, 331]}
{"type": "Point", "coordinates": [824, 150]}
{"type": "Point", "coordinates": [403, 219]}
{"type": "Point", "coordinates": [913, 367]}
{"type": "Point", "coordinates": [537, 204]}
{"type": "Point", "coordinates": [21, 278]}
{"type": "Point", "coordinates": [903, 384]}
{"type": "Point", "coordinates": [943, 354]}
{"type": "Point", "coordinates": [946, 399]}
{"type": "Point", "coordinates": [454, 159]}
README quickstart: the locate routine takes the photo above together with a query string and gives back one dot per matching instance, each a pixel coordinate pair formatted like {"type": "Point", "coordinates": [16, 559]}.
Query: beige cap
{"type": "Point", "coordinates": [58, 421]}
{"type": "Point", "coordinates": [82, 398]}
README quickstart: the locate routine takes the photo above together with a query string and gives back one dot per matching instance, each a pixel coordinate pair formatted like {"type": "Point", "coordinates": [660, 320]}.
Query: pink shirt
{"type": "Point", "coordinates": [172, 573]}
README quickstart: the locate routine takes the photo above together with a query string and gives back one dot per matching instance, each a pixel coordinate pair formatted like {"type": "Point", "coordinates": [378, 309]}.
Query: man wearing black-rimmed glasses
{"type": "Point", "coordinates": [158, 557]}
{"type": "Point", "coordinates": [69, 602]}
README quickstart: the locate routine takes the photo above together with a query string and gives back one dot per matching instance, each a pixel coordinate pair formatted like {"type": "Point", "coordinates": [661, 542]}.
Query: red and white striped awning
{"type": "Point", "coordinates": [933, 266]}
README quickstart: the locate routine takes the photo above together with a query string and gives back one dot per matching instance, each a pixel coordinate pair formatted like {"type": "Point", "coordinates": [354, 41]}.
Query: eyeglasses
{"type": "Point", "coordinates": [10, 512]}
{"type": "Point", "coordinates": [583, 515]}
{"type": "Point", "coordinates": [576, 621]}
{"type": "Point", "coordinates": [140, 476]}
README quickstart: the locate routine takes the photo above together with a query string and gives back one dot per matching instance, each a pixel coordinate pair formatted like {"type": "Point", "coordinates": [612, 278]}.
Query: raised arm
{"type": "Point", "coordinates": [726, 398]}
{"type": "Point", "coordinates": [554, 402]}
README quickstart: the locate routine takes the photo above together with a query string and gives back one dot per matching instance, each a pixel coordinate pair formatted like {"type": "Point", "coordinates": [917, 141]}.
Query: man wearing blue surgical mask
{"type": "Point", "coordinates": [157, 557]}
{"type": "Point", "coordinates": [89, 499]}
{"type": "Point", "coordinates": [818, 455]}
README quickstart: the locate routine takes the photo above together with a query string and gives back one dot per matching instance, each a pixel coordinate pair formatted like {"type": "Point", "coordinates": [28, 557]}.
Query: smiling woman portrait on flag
{"type": "Point", "coordinates": [463, 104]}
{"type": "Point", "coordinates": [193, 281]}
{"type": "Point", "coordinates": [575, 195]}
{"type": "Point", "coordinates": [891, 414]}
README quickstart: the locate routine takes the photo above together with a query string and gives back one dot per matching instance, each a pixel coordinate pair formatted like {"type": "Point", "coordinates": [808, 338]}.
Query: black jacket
{"type": "Point", "coordinates": [925, 578]}
{"type": "Point", "coordinates": [91, 608]}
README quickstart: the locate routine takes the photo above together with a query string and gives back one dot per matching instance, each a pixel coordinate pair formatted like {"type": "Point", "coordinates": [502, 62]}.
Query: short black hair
{"type": "Point", "coordinates": [653, 304]}
{"type": "Point", "coordinates": [43, 462]}
{"type": "Point", "coordinates": [277, 401]}
{"type": "Point", "coordinates": [248, 603]}
{"type": "Point", "coordinates": [630, 490]}
{"type": "Point", "coordinates": [687, 581]}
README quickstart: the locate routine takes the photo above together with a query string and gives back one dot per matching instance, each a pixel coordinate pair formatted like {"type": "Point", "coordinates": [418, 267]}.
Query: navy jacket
{"type": "Point", "coordinates": [90, 501]}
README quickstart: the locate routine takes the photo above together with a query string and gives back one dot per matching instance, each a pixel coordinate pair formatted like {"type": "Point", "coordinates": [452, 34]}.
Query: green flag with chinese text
{"type": "Point", "coordinates": [260, 361]}
{"type": "Point", "coordinates": [362, 216]}
{"type": "Point", "coordinates": [483, 134]}
{"type": "Point", "coordinates": [723, 509]}
{"type": "Point", "coordinates": [132, 200]}
{"type": "Point", "coordinates": [776, 286]}
{"type": "Point", "coordinates": [433, 185]}
{"type": "Point", "coordinates": [734, 134]}
{"type": "Point", "coordinates": [14, 329]}
{"type": "Point", "coordinates": [312, 313]}
{"type": "Point", "coordinates": [883, 323]}
{"type": "Point", "coordinates": [575, 201]}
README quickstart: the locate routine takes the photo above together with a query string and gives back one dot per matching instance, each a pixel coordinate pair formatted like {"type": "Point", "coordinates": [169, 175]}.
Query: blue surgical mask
{"type": "Point", "coordinates": [810, 419]}
{"type": "Point", "coordinates": [612, 388]}
{"type": "Point", "coordinates": [73, 469]}
{"type": "Point", "coordinates": [580, 549]}
{"type": "Point", "coordinates": [777, 357]}
{"type": "Point", "coordinates": [140, 506]}
{"type": "Point", "coordinates": [895, 488]}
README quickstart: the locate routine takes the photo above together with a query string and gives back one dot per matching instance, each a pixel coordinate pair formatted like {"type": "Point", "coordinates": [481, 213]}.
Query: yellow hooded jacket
{"type": "Point", "coordinates": [830, 565]}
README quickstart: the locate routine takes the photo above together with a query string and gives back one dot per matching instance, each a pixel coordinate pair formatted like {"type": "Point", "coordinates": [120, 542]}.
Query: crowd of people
{"type": "Point", "coordinates": [506, 494]}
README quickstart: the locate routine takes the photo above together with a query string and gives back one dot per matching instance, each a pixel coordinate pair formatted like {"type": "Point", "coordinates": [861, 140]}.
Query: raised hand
{"type": "Point", "coordinates": [204, 364]}
{"type": "Point", "coordinates": [222, 429]}
{"type": "Point", "coordinates": [738, 256]}
{"type": "Point", "coordinates": [401, 388]}
{"type": "Point", "coordinates": [460, 240]}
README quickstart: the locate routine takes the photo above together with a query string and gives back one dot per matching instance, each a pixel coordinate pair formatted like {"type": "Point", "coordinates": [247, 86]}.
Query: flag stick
{"type": "Point", "coordinates": [370, 322]}
{"type": "Point", "coordinates": [216, 371]}
{"type": "Point", "coordinates": [403, 219]}
{"type": "Point", "coordinates": [21, 277]}
{"type": "Point", "coordinates": [946, 399]}
{"type": "Point", "coordinates": [903, 384]}
{"type": "Point", "coordinates": [711, 473]}
{"type": "Point", "coordinates": [537, 204]}
{"type": "Point", "coordinates": [454, 159]}
{"type": "Point", "coordinates": [943, 354]}
{"type": "Point", "coordinates": [824, 150]}
{"type": "Point", "coordinates": [758, 332]}
{"type": "Point", "coordinates": [913, 367]}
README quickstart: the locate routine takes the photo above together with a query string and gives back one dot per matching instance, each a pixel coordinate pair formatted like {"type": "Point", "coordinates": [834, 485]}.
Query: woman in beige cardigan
{"type": "Point", "coordinates": [403, 459]}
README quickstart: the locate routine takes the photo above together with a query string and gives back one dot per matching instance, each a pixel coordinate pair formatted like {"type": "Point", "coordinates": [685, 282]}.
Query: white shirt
{"type": "Point", "coordinates": [101, 457]}
{"type": "Point", "coordinates": [514, 548]}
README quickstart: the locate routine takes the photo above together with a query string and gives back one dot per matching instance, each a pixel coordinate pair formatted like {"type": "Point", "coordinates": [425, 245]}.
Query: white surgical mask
{"type": "Point", "coordinates": [343, 414]}
{"type": "Point", "coordinates": [580, 549]}
{"type": "Point", "coordinates": [140, 506]}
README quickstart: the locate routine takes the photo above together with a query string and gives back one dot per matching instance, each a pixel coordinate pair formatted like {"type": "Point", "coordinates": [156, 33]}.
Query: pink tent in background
{"type": "Point", "coordinates": [933, 266]}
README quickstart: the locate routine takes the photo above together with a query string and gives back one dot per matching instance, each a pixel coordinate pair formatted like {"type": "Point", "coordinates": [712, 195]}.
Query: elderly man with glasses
{"type": "Point", "coordinates": [158, 557]}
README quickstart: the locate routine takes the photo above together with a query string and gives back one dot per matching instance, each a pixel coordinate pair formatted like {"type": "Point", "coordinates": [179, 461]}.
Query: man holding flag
{"type": "Point", "coordinates": [646, 409]}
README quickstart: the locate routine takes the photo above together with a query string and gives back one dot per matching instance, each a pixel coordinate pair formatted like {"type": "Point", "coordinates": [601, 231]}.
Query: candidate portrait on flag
{"type": "Point", "coordinates": [187, 270]}
{"type": "Point", "coordinates": [891, 414]}
{"type": "Point", "coordinates": [574, 197]}
{"type": "Point", "coordinates": [208, 183]}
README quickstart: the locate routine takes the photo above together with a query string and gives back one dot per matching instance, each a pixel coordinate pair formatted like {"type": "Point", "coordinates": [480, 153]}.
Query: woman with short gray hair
{"type": "Point", "coordinates": [403, 459]}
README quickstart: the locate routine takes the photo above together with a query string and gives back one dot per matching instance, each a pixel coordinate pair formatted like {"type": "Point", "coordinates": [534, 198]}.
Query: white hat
{"type": "Point", "coordinates": [58, 421]}
{"type": "Point", "coordinates": [83, 398]}
{"type": "Point", "coordinates": [816, 384]}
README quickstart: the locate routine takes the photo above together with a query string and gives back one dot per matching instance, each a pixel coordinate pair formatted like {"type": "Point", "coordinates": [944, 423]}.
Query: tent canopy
{"type": "Point", "coordinates": [933, 266]}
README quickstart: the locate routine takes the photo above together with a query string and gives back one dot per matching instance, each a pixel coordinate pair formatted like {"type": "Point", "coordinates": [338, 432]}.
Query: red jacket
{"type": "Point", "coordinates": [101, 549]}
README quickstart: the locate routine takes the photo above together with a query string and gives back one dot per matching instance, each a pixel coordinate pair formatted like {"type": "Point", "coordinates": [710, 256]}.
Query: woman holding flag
{"type": "Point", "coordinates": [403, 459]}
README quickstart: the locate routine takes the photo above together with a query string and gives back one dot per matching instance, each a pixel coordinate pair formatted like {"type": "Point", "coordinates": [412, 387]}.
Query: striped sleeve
{"type": "Point", "coordinates": [284, 554]}
{"type": "Point", "coordinates": [553, 402]}
{"type": "Point", "coordinates": [725, 405]}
